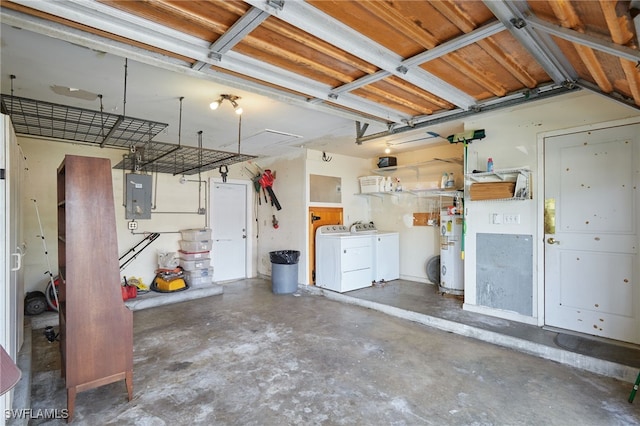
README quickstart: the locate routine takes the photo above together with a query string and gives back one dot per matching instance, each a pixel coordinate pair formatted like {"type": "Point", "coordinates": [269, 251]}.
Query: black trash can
{"type": "Point", "coordinates": [284, 271]}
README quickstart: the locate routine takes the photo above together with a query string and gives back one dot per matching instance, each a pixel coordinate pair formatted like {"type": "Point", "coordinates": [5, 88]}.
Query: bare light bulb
{"type": "Point", "coordinates": [214, 105]}
{"type": "Point", "coordinates": [387, 150]}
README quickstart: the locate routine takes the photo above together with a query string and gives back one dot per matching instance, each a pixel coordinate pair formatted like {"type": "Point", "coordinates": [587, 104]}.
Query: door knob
{"type": "Point", "coordinates": [552, 240]}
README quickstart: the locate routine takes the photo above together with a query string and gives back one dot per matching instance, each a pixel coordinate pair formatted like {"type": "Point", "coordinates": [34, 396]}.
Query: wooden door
{"type": "Point", "coordinates": [592, 266]}
{"type": "Point", "coordinates": [319, 216]}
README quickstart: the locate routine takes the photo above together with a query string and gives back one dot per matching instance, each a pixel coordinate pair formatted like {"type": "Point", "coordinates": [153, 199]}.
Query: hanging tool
{"type": "Point", "coordinates": [133, 251]}
{"type": "Point", "coordinates": [274, 221]}
{"type": "Point", "coordinates": [266, 180]}
{"type": "Point", "coordinates": [223, 172]}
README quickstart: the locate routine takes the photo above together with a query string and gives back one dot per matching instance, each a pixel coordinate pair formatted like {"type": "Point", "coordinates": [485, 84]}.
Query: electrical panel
{"type": "Point", "coordinates": [138, 196]}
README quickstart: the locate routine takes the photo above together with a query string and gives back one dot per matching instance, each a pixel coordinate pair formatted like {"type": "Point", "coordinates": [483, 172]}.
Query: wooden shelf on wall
{"type": "Point", "coordinates": [500, 185]}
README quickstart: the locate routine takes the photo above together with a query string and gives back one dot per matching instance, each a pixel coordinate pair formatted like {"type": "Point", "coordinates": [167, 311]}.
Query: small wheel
{"type": "Point", "coordinates": [35, 303]}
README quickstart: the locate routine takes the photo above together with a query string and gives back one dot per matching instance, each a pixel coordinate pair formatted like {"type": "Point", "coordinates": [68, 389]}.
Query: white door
{"type": "Point", "coordinates": [592, 266]}
{"type": "Point", "coordinates": [229, 229]}
{"type": "Point", "coordinates": [11, 251]}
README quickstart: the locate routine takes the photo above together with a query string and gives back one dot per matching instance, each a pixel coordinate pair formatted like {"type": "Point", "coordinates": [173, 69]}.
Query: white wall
{"type": "Point", "coordinates": [288, 187]}
{"type": "Point", "coordinates": [512, 141]}
{"type": "Point", "coordinates": [395, 212]}
{"type": "Point", "coordinates": [348, 169]}
{"type": "Point", "coordinates": [44, 157]}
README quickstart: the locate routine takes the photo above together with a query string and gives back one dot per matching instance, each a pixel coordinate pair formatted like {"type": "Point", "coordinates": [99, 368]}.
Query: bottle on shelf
{"type": "Point", "coordinates": [388, 184]}
{"type": "Point", "coordinates": [382, 184]}
{"type": "Point", "coordinates": [451, 182]}
{"type": "Point", "coordinates": [490, 164]}
{"type": "Point", "coordinates": [444, 180]}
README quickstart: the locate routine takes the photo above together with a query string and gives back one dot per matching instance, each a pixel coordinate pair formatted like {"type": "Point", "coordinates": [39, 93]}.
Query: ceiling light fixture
{"type": "Point", "coordinates": [387, 150]}
{"type": "Point", "coordinates": [231, 98]}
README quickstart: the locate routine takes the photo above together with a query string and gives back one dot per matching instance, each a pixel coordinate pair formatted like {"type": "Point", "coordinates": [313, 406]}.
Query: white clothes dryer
{"type": "Point", "coordinates": [343, 259]}
{"type": "Point", "coordinates": [386, 251]}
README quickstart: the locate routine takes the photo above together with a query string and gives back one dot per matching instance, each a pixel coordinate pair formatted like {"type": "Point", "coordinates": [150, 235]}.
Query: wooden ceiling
{"type": "Point", "coordinates": [403, 63]}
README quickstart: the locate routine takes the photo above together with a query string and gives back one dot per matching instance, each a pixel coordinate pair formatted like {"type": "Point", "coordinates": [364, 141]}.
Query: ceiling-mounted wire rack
{"type": "Point", "coordinates": [32, 117]}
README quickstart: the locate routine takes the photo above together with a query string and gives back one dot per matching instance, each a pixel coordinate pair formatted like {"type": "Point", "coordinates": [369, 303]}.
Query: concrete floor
{"type": "Point", "coordinates": [603, 356]}
{"type": "Point", "coordinates": [253, 358]}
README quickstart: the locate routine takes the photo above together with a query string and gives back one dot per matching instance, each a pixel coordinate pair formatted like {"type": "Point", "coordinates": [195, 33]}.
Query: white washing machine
{"type": "Point", "coordinates": [386, 251]}
{"type": "Point", "coordinates": [451, 263]}
{"type": "Point", "coordinates": [343, 260]}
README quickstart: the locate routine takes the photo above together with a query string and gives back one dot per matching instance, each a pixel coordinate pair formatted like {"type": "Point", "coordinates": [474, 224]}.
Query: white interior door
{"type": "Point", "coordinates": [229, 229]}
{"type": "Point", "coordinates": [11, 248]}
{"type": "Point", "coordinates": [592, 278]}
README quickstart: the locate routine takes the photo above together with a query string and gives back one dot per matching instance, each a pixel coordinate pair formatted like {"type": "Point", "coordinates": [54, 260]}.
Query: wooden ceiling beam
{"type": "Point", "coordinates": [621, 29]}
{"type": "Point", "coordinates": [428, 41]}
{"type": "Point", "coordinates": [398, 20]}
{"type": "Point", "coordinates": [466, 24]}
{"type": "Point", "coordinates": [314, 43]}
{"type": "Point", "coordinates": [619, 23]}
{"type": "Point", "coordinates": [540, 46]}
{"type": "Point", "coordinates": [568, 18]}
{"type": "Point", "coordinates": [311, 20]}
{"type": "Point", "coordinates": [268, 50]}
{"type": "Point", "coordinates": [395, 99]}
{"type": "Point", "coordinates": [427, 96]}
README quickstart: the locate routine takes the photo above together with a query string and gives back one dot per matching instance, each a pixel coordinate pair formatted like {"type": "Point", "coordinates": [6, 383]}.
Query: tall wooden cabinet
{"type": "Point", "coordinates": [96, 329]}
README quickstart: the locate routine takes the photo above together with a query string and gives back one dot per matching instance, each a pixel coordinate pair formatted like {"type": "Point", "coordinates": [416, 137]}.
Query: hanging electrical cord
{"type": "Point", "coordinates": [239, 131]}
{"type": "Point", "coordinates": [12, 77]}
{"type": "Point", "coordinates": [199, 170]}
{"type": "Point", "coordinates": [124, 98]}
{"type": "Point", "coordinates": [101, 119]}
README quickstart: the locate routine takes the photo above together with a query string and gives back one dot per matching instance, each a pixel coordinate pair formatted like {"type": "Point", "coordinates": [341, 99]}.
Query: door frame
{"type": "Point", "coordinates": [312, 236]}
{"type": "Point", "coordinates": [250, 244]}
{"type": "Point", "coordinates": [540, 179]}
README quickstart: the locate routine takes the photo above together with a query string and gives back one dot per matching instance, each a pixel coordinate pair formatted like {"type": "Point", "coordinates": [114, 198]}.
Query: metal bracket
{"type": "Point", "coordinates": [518, 23]}
{"type": "Point", "coordinates": [276, 4]}
{"type": "Point", "coordinates": [361, 128]}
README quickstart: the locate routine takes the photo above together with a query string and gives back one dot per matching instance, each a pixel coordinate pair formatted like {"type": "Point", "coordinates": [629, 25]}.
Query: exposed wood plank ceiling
{"type": "Point", "coordinates": [402, 63]}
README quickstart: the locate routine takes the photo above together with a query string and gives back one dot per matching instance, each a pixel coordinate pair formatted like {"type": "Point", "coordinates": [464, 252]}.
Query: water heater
{"type": "Point", "coordinates": [451, 263]}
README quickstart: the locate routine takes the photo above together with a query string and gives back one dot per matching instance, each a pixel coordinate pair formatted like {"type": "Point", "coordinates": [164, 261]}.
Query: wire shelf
{"type": "Point", "coordinates": [39, 118]}
{"type": "Point", "coordinates": [71, 124]}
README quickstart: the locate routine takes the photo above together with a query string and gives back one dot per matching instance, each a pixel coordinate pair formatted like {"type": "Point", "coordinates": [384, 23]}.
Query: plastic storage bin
{"type": "Point", "coordinates": [193, 255]}
{"type": "Point", "coordinates": [198, 281]}
{"type": "Point", "coordinates": [284, 271]}
{"type": "Point", "coordinates": [199, 273]}
{"type": "Point", "coordinates": [196, 234]}
{"type": "Point", "coordinates": [370, 184]}
{"type": "Point", "coordinates": [190, 265]}
{"type": "Point", "coordinates": [195, 246]}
